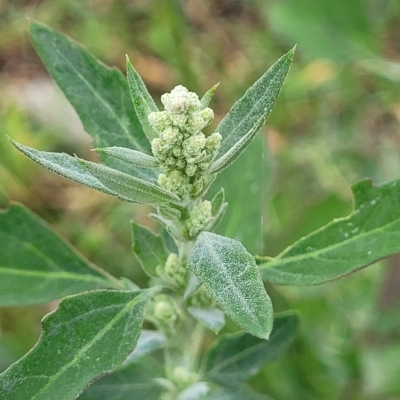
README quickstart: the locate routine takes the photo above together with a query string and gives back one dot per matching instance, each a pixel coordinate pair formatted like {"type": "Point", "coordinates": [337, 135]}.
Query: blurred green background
{"type": "Point", "coordinates": [336, 122]}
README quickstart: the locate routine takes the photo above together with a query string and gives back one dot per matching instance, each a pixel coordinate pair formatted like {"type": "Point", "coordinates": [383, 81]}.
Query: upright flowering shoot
{"type": "Point", "coordinates": [182, 150]}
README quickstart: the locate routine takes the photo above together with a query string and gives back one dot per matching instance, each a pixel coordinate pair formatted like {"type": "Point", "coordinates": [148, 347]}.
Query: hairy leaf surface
{"type": "Point", "coordinates": [37, 266]}
{"type": "Point", "coordinates": [371, 232]}
{"type": "Point", "coordinates": [230, 275]}
{"type": "Point", "coordinates": [250, 112]}
{"type": "Point", "coordinates": [212, 318]}
{"type": "Point", "coordinates": [134, 381]}
{"type": "Point", "coordinates": [149, 248]}
{"type": "Point", "coordinates": [235, 358]}
{"type": "Point", "coordinates": [100, 95]}
{"type": "Point", "coordinates": [89, 335]}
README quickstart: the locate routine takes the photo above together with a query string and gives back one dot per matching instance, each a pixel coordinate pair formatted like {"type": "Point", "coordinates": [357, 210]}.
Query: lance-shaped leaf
{"type": "Point", "coordinates": [344, 245]}
{"type": "Point", "coordinates": [231, 276]}
{"type": "Point", "coordinates": [149, 249]}
{"type": "Point", "coordinates": [132, 381]}
{"type": "Point", "coordinates": [134, 157]}
{"type": "Point", "coordinates": [235, 358]}
{"type": "Point", "coordinates": [135, 189]}
{"type": "Point", "coordinates": [212, 318]}
{"type": "Point", "coordinates": [37, 266]}
{"type": "Point", "coordinates": [236, 150]}
{"type": "Point", "coordinates": [89, 335]}
{"type": "Point", "coordinates": [100, 95]}
{"type": "Point", "coordinates": [250, 112]}
{"type": "Point", "coordinates": [68, 167]}
{"type": "Point", "coordinates": [141, 99]}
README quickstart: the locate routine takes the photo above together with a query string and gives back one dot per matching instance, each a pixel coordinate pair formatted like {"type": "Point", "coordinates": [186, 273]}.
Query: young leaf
{"type": "Point", "coordinates": [242, 393]}
{"type": "Point", "coordinates": [212, 318]}
{"type": "Point", "coordinates": [147, 343]}
{"type": "Point", "coordinates": [235, 358]}
{"type": "Point", "coordinates": [230, 275]}
{"type": "Point", "coordinates": [100, 95]}
{"type": "Point", "coordinates": [205, 100]}
{"type": "Point", "coordinates": [344, 245]}
{"type": "Point", "coordinates": [136, 158]}
{"type": "Point", "coordinates": [135, 189]}
{"type": "Point", "coordinates": [142, 101]}
{"type": "Point", "coordinates": [237, 149]}
{"type": "Point", "coordinates": [250, 112]}
{"type": "Point", "coordinates": [217, 202]}
{"type": "Point", "coordinates": [89, 335]}
{"type": "Point", "coordinates": [135, 380]}
{"type": "Point", "coordinates": [149, 249]}
{"type": "Point", "coordinates": [37, 266]}
{"type": "Point", "coordinates": [68, 167]}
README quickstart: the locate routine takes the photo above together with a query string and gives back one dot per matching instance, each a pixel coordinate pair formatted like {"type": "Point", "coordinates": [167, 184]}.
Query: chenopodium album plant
{"type": "Point", "coordinates": [163, 158]}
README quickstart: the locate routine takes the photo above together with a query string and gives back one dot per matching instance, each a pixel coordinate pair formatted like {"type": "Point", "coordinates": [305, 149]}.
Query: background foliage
{"type": "Point", "coordinates": [336, 122]}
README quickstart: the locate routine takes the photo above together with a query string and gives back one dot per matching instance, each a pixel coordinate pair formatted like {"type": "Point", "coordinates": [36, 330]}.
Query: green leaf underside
{"type": "Point", "coordinates": [235, 358]}
{"type": "Point", "coordinates": [344, 245]}
{"type": "Point", "coordinates": [242, 393]}
{"type": "Point", "coordinates": [149, 248]}
{"type": "Point", "coordinates": [89, 335]}
{"type": "Point", "coordinates": [135, 189]}
{"type": "Point", "coordinates": [255, 105]}
{"type": "Point", "coordinates": [231, 276]}
{"type": "Point", "coordinates": [212, 318]}
{"type": "Point", "coordinates": [37, 266]}
{"type": "Point", "coordinates": [147, 343]}
{"type": "Point", "coordinates": [100, 95]}
{"type": "Point", "coordinates": [129, 156]}
{"type": "Point", "coordinates": [141, 99]}
{"type": "Point", "coordinates": [135, 381]}
{"type": "Point", "coordinates": [68, 167]}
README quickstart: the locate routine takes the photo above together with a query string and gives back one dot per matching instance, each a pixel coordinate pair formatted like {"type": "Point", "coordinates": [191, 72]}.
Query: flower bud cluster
{"type": "Point", "coordinates": [183, 151]}
{"type": "Point", "coordinates": [201, 298]}
{"type": "Point", "coordinates": [175, 270]}
{"type": "Point", "coordinates": [164, 309]}
{"type": "Point", "coordinates": [199, 217]}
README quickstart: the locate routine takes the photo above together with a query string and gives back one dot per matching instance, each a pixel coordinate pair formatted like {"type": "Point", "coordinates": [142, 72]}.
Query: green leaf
{"type": "Point", "coordinates": [68, 167]}
{"type": "Point", "coordinates": [212, 318]}
{"type": "Point", "coordinates": [242, 220]}
{"type": "Point", "coordinates": [89, 335]}
{"type": "Point", "coordinates": [149, 248]}
{"type": "Point", "coordinates": [205, 100]}
{"type": "Point", "coordinates": [142, 101]}
{"type": "Point", "coordinates": [135, 189]}
{"type": "Point", "coordinates": [231, 276]}
{"type": "Point", "coordinates": [242, 393]}
{"type": "Point", "coordinates": [147, 343]}
{"type": "Point", "coordinates": [100, 95]}
{"type": "Point", "coordinates": [136, 158]}
{"type": "Point", "coordinates": [250, 112]}
{"type": "Point", "coordinates": [344, 245]}
{"type": "Point", "coordinates": [235, 358]}
{"type": "Point", "coordinates": [37, 266]}
{"type": "Point", "coordinates": [134, 381]}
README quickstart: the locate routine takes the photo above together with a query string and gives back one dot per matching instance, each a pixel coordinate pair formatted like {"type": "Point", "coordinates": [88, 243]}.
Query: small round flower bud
{"type": "Point", "coordinates": [170, 161]}
{"type": "Point", "coordinates": [159, 120]}
{"type": "Point", "coordinates": [213, 142]}
{"type": "Point", "coordinates": [199, 217]}
{"type": "Point", "coordinates": [191, 169]}
{"type": "Point", "coordinates": [177, 151]}
{"type": "Point", "coordinates": [193, 145]}
{"type": "Point", "coordinates": [177, 101]}
{"type": "Point", "coordinates": [194, 102]}
{"type": "Point", "coordinates": [178, 120]}
{"type": "Point", "coordinates": [194, 123]}
{"type": "Point", "coordinates": [180, 163]}
{"type": "Point", "coordinates": [158, 149]}
{"type": "Point", "coordinates": [164, 308]}
{"type": "Point", "coordinates": [172, 264]}
{"type": "Point", "coordinates": [171, 135]}
{"type": "Point", "coordinates": [207, 116]}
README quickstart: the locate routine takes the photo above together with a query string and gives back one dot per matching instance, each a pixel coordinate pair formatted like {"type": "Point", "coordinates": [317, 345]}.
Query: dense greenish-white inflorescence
{"type": "Point", "coordinates": [183, 151]}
